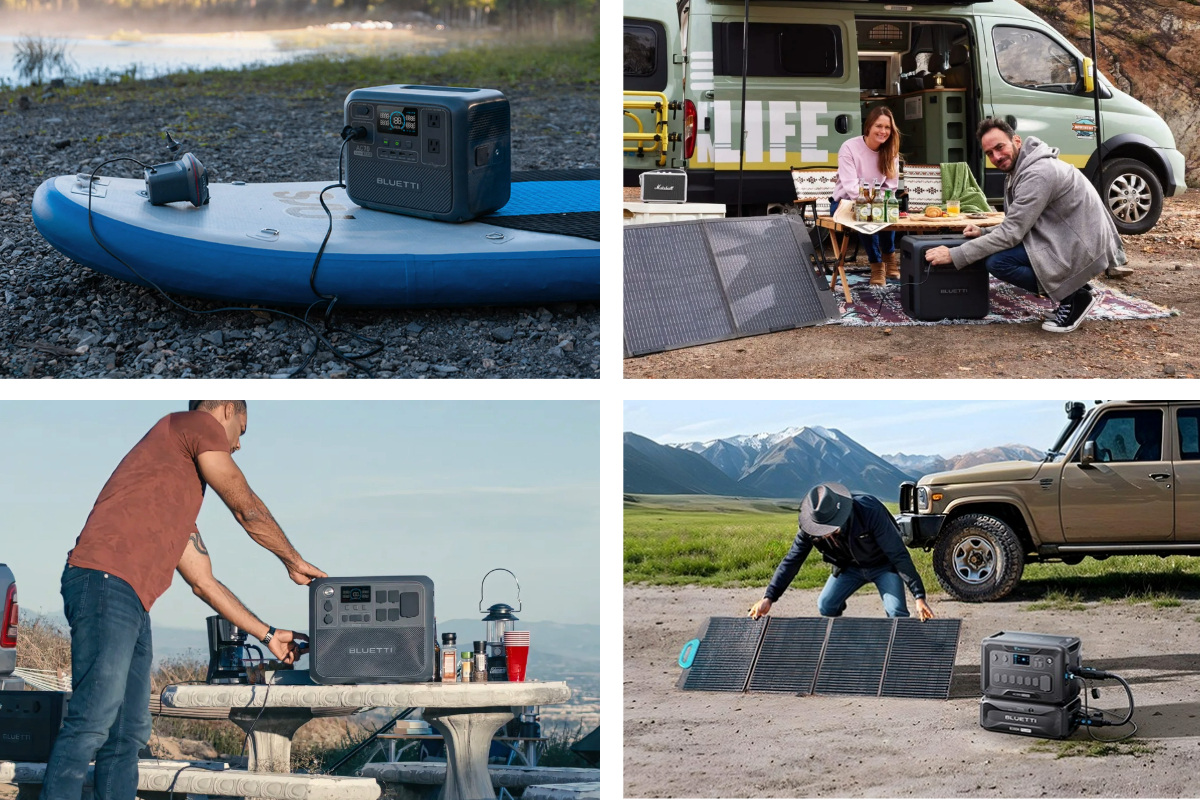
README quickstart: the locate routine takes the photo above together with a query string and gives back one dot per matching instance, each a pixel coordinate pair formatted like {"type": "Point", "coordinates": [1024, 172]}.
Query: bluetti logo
{"type": "Point", "coordinates": [411, 186]}
{"type": "Point", "coordinates": [369, 651]}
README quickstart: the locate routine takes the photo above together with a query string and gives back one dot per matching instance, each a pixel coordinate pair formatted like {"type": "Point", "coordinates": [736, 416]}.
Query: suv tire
{"type": "Point", "coordinates": [978, 558]}
{"type": "Point", "coordinates": [1133, 194]}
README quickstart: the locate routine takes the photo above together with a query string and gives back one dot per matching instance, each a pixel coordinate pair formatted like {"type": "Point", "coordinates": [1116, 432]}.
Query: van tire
{"type": "Point", "coordinates": [978, 558]}
{"type": "Point", "coordinates": [1134, 195]}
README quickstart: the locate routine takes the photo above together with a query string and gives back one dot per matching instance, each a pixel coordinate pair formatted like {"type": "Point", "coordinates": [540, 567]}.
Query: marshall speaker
{"type": "Point", "coordinates": [664, 186]}
{"type": "Point", "coordinates": [929, 292]}
{"type": "Point", "coordinates": [371, 630]}
{"type": "Point", "coordinates": [430, 151]}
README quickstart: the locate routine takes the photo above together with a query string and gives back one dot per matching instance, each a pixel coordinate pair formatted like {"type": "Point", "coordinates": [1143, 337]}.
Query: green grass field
{"type": "Point", "coordinates": [735, 542]}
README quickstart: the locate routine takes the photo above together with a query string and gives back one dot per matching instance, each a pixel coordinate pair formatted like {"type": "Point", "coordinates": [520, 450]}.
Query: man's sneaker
{"type": "Point", "coordinates": [1071, 312]}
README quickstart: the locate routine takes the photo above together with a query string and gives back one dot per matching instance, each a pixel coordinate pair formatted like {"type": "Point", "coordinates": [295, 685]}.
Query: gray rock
{"type": "Point", "coordinates": [7, 244]}
{"type": "Point", "coordinates": [236, 335]}
{"type": "Point", "coordinates": [88, 340]}
{"type": "Point", "coordinates": [52, 121]}
{"type": "Point", "coordinates": [214, 337]}
{"type": "Point", "coordinates": [146, 346]}
{"type": "Point", "coordinates": [278, 326]}
{"type": "Point", "coordinates": [110, 339]}
{"type": "Point", "coordinates": [504, 335]}
{"type": "Point", "coordinates": [445, 369]}
{"type": "Point", "coordinates": [9, 297]}
{"type": "Point", "coordinates": [414, 328]}
{"type": "Point", "coordinates": [420, 366]}
{"type": "Point", "coordinates": [556, 351]}
{"type": "Point", "coordinates": [155, 325]}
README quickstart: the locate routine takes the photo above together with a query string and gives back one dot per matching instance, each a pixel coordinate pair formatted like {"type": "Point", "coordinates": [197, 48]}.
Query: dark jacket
{"type": "Point", "coordinates": [870, 539]}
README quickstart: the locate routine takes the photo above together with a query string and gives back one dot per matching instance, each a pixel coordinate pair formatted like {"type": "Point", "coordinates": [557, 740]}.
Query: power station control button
{"type": "Point", "coordinates": [362, 111]}
{"type": "Point", "coordinates": [394, 596]}
{"type": "Point", "coordinates": [344, 618]}
{"type": "Point", "coordinates": [328, 619]}
{"type": "Point", "coordinates": [1044, 683]}
{"type": "Point", "coordinates": [406, 144]}
{"type": "Point", "coordinates": [329, 605]}
{"type": "Point", "coordinates": [481, 155]}
{"type": "Point", "coordinates": [380, 597]}
{"type": "Point", "coordinates": [410, 604]}
{"type": "Point", "coordinates": [380, 614]}
{"type": "Point", "coordinates": [393, 614]}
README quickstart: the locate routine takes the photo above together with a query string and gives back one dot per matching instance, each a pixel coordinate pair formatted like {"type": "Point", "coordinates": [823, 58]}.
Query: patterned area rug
{"type": "Point", "coordinates": [877, 306]}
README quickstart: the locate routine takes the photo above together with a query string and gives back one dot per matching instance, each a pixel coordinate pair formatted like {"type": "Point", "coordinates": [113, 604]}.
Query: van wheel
{"type": "Point", "coordinates": [1133, 194]}
{"type": "Point", "coordinates": [978, 558]}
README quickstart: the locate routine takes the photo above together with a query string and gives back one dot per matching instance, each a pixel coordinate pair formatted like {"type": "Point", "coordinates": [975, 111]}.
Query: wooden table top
{"type": "Point", "coordinates": [920, 222]}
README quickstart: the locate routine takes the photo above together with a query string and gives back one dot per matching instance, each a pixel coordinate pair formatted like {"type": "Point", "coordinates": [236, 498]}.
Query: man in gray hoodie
{"type": "Point", "coordinates": [1056, 235]}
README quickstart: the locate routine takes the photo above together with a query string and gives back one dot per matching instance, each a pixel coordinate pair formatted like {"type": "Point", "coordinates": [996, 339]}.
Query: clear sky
{"type": "Point", "coordinates": [444, 489]}
{"type": "Point", "coordinates": [882, 425]}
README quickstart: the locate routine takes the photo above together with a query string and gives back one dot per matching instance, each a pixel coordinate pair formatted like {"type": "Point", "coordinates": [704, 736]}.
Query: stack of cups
{"type": "Point", "coordinates": [516, 648]}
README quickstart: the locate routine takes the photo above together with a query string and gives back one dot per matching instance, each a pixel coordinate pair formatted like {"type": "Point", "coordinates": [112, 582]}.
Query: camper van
{"type": "Point", "coordinates": [815, 69]}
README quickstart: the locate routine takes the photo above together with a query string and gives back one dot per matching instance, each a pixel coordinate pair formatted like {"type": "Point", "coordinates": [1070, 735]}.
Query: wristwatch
{"type": "Point", "coordinates": [270, 635]}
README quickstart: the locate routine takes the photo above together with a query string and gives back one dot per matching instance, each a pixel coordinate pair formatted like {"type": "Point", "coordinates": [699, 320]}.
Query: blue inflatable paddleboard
{"type": "Point", "coordinates": [255, 243]}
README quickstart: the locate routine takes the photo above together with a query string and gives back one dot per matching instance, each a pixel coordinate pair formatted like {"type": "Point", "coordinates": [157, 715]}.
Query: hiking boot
{"type": "Point", "coordinates": [1071, 311]}
{"type": "Point", "coordinates": [891, 263]}
{"type": "Point", "coordinates": [878, 275]}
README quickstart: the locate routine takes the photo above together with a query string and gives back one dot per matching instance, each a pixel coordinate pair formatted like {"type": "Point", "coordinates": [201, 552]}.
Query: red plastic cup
{"type": "Point", "coordinates": [516, 651]}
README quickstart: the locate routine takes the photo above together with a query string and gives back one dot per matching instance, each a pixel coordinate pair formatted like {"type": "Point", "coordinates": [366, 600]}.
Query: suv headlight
{"type": "Point", "coordinates": [922, 499]}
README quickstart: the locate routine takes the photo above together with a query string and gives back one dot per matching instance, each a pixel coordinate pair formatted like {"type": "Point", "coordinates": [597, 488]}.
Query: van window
{"type": "Point", "coordinates": [1189, 433]}
{"type": "Point", "coordinates": [1128, 435]}
{"type": "Point", "coordinates": [1032, 60]}
{"type": "Point", "coordinates": [779, 50]}
{"type": "Point", "coordinates": [645, 57]}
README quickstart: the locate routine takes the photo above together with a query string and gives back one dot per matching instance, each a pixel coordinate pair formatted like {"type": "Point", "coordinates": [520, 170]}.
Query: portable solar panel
{"type": "Point", "coordinates": [689, 283]}
{"type": "Point", "coordinates": [726, 654]}
{"type": "Point", "coordinates": [815, 655]}
{"type": "Point", "coordinates": [855, 653]}
{"type": "Point", "coordinates": [789, 656]}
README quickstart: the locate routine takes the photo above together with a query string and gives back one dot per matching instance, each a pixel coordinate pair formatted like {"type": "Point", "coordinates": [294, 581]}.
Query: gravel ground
{"type": "Point", "coordinates": [1166, 264]}
{"type": "Point", "coordinates": [58, 319]}
{"type": "Point", "coordinates": [718, 744]}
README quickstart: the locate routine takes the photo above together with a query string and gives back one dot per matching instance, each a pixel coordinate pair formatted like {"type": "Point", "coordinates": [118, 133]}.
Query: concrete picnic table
{"type": "Point", "coordinates": [915, 223]}
{"type": "Point", "coordinates": [467, 715]}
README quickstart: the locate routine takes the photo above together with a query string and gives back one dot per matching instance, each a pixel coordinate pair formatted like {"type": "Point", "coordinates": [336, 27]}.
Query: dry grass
{"type": "Point", "coordinates": [43, 644]}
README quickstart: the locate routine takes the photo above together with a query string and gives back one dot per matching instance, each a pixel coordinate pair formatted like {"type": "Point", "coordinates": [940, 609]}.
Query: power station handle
{"type": "Point", "coordinates": [514, 577]}
{"type": "Point", "coordinates": [1160, 476]}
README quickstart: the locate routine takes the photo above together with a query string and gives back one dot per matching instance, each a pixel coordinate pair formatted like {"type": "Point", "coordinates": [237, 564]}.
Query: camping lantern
{"type": "Point", "coordinates": [500, 618]}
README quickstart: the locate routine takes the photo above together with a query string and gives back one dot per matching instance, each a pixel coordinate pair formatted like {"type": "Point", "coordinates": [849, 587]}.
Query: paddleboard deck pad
{"type": "Point", "coordinates": [255, 243]}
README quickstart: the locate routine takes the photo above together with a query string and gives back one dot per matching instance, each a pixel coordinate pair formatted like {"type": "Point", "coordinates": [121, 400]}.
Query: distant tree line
{"type": "Point", "coordinates": [514, 14]}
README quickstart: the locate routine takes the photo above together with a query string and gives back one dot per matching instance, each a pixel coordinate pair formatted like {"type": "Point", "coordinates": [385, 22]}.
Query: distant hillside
{"type": "Point", "coordinates": [925, 465]}
{"type": "Point", "coordinates": [653, 468]}
{"type": "Point", "coordinates": [784, 464]}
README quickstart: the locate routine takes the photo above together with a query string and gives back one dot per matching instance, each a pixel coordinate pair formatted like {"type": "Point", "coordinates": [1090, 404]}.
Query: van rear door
{"type": "Point", "coordinates": [801, 96]}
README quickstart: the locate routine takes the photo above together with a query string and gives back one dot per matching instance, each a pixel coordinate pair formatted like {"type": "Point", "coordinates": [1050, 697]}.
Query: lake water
{"type": "Point", "coordinates": [157, 54]}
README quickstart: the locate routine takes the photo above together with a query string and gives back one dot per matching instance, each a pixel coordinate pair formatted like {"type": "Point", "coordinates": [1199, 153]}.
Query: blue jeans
{"type": "Point", "coordinates": [1012, 266]}
{"type": "Point", "coordinates": [875, 244]}
{"type": "Point", "coordinates": [108, 716]}
{"type": "Point", "coordinates": [838, 589]}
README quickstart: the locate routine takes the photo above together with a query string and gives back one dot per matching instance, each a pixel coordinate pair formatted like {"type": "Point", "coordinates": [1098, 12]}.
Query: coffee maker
{"type": "Point", "coordinates": [227, 652]}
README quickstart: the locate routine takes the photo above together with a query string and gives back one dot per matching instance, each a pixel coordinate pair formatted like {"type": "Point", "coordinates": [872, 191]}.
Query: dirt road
{"type": "Point", "coordinates": [688, 744]}
{"type": "Point", "coordinates": [1166, 265]}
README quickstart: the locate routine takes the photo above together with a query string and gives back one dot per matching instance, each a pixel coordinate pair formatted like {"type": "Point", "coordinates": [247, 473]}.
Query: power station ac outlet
{"type": "Point", "coordinates": [434, 146]}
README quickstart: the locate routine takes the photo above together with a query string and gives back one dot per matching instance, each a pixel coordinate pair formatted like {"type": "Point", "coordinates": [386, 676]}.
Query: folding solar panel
{"type": "Point", "coordinates": [689, 283]}
{"type": "Point", "coordinates": [789, 656]}
{"type": "Point", "coordinates": [922, 658]}
{"type": "Point", "coordinates": [815, 655]}
{"type": "Point", "coordinates": [726, 654]}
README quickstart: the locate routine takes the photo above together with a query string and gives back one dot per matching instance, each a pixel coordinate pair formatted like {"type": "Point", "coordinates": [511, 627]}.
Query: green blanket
{"type": "Point", "coordinates": [959, 184]}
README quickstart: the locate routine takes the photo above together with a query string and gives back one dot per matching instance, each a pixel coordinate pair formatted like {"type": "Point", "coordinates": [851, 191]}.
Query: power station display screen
{"type": "Point", "coordinates": [397, 120]}
{"type": "Point", "coordinates": [356, 594]}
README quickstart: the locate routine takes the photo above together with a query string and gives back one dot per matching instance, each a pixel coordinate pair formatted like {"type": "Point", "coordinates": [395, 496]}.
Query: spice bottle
{"type": "Point", "coordinates": [479, 672]}
{"type": "Point", "coordinates": [465, 666]}
{"type": "Point", "coordinates": [449, 658]}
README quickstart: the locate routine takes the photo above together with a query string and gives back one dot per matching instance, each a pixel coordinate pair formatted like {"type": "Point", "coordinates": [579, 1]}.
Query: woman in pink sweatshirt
{"type": "Point", "coordinates": [872, 157]}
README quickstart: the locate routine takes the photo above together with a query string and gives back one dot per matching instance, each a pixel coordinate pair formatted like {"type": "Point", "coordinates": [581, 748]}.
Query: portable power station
{"type": "Point", "coordinates": [439, 152]}
{"type": "Point", "coordinates": [371, 630]}
{"type": "Point", "coordinates": [29, 724]}
{"type": "Point", "coordinates": [931, 293]}
{"type": "Point", "coordinates": [1030, 666]}
{"type": "Point", "coordinates": [1025, 718]}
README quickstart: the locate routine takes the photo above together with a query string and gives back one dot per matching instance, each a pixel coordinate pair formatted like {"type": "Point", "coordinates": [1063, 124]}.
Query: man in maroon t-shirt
{"type": "Point", "coordinates": [140, 531]}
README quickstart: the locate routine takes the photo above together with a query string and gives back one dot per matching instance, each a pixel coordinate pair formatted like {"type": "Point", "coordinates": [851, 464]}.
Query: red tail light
{"type": "Point", "coordinates": [8, 623]}
{"type": "Point", "coordinates": [689, 128]}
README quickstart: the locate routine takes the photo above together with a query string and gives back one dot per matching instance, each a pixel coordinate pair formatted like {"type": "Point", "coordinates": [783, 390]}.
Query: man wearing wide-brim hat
{"type": "Point", "coordinates": [855, 534]}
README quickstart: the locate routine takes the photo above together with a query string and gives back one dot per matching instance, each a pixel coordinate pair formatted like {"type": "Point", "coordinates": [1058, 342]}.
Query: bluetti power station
{"type": "Point", "coordinates": [429, 151]}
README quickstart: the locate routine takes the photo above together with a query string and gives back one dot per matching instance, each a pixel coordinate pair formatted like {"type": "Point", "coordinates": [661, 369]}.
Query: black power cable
{"type": "Point", "coordinates": [1098, 719]}
{"type": "Point", "coordinates": [352, 359]}
{"type": "Point", "coordinates": [358, 747]}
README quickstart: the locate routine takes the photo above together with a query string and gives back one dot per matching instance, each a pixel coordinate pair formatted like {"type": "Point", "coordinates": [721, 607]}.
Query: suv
{"type": "Point", "coordinates": [1123, 478]}
{"type": "Point", "coordinates": [8, 630]}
